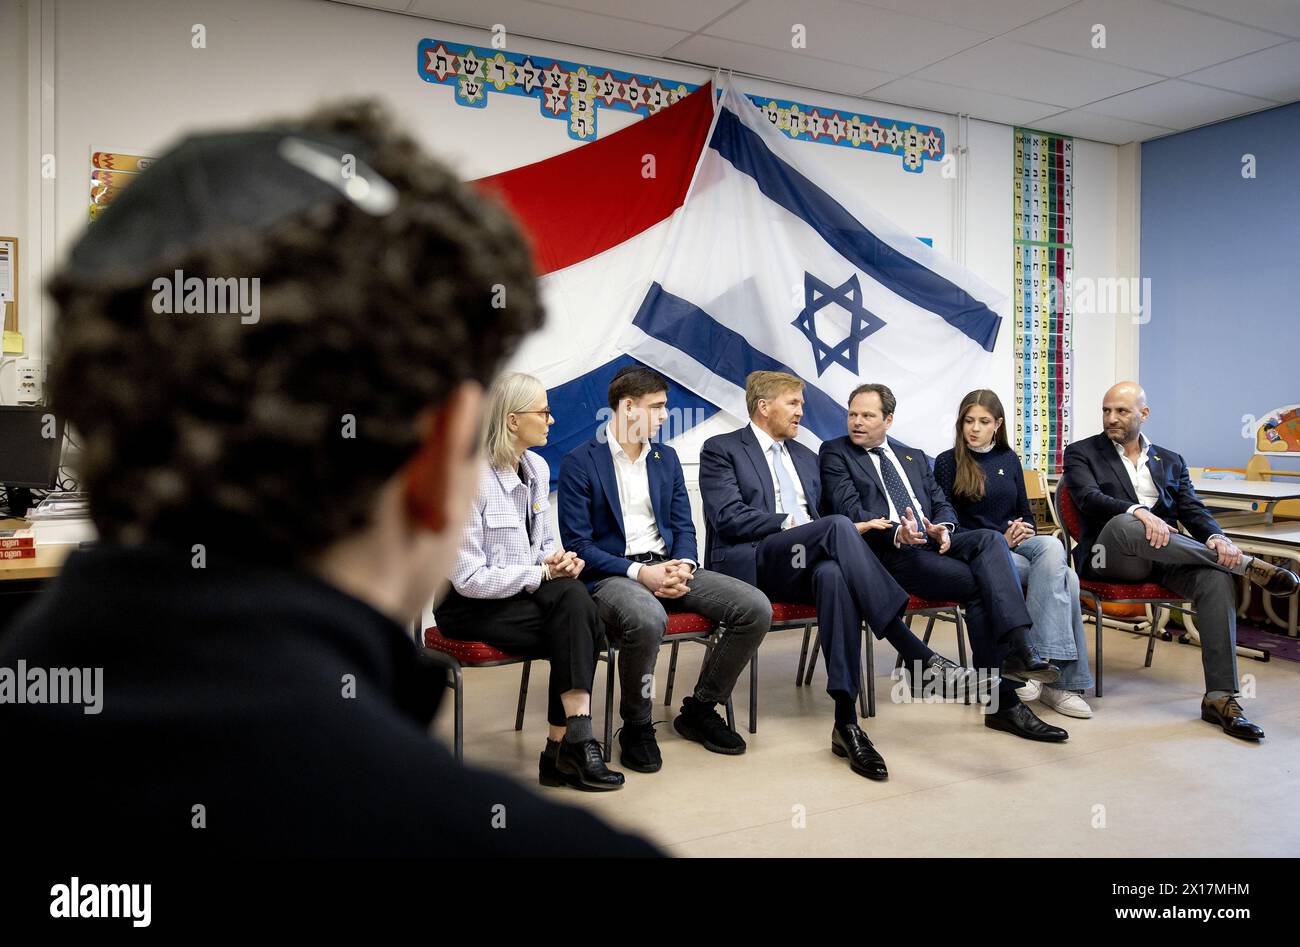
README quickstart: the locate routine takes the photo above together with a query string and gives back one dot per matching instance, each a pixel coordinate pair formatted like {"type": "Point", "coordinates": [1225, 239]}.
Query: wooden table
{"type": "Point", "coordinates": [20, 579]}
{"type": "Point", "coordinates": [1255, 496]}
{"type": "Point", "coordinates": [1280, 539]}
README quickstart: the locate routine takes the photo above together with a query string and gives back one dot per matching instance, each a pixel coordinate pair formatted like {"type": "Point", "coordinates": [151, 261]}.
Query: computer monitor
{"type": "Point", "coordinates": [31, 441]}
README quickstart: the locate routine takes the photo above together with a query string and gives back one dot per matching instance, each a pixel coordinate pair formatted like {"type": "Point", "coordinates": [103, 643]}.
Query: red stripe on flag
{"type": "Point", "coordinates": [584, 201]}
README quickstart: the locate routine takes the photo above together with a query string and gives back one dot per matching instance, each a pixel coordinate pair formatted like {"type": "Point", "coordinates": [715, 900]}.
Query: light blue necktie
{"type": "Point", "coordinates": [788, 501]}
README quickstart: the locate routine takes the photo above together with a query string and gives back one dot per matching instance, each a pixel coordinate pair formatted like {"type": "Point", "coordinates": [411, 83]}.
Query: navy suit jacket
{"type": "Point", "coordinates": [591, 518]}
{"type": "Point", "coordinates": [855, 489]}
{"type": "Point", "coordinates": [740, 499]}
{"type": "Point", "coordinates": [1101, 489]}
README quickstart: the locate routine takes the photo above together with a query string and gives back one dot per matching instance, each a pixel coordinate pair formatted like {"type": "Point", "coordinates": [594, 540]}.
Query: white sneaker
{"type": "Point", "coordinates": [1066, 702]}
{"type": "Point", "coordinates": [1029, 692]}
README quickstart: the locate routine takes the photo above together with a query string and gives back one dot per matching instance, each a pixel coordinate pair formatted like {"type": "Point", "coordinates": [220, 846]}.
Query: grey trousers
{"type": "Point", "coordinates": [636, 620]}
{"type": "Point", "coordinates": [1189, 568]}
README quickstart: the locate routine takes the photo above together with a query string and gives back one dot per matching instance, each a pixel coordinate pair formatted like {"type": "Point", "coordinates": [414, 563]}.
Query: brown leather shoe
{"type": "Point", "coordinates": [1272, 579]}
{"type": "Point", "coordinates": [1227, 713]}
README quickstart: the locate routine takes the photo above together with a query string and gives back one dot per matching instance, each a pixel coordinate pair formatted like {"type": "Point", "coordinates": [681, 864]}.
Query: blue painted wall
{"type": "Point", "coordinates": [1223, 256]}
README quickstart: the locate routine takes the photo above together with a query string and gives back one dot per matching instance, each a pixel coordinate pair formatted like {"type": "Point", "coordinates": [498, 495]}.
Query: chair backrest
{"type": "Point", "coordinates": [1071, 521]}
{"type": "Point", "coordinates": [1035, 484]}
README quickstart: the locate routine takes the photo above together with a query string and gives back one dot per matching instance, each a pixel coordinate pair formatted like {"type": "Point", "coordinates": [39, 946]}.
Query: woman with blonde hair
{"type": "Point", "coordinates": [515, 589]}
{"type": "Point", "coordinates": [983, 479]}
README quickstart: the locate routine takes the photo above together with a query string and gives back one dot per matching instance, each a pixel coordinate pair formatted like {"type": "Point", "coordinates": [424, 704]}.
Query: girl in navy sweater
{"type": "Point", "coordinates": [983, 479]}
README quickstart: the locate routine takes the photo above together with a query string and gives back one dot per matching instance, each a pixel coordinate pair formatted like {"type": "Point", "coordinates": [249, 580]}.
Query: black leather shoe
{"type": "Point", "coordinates": [1272, 579]}
{"type": "Point", "coordinates": [1021, 721]}
{"type": "Point", "coordinates": [959, 682]}
{"type": "Point", "coordinates": [848, 740]}
{"type": "Point", "coordinates": [639, 750]}
{"type": "Point", "coordinates": [547, 773]}
{"type": "Point", "coordinates": [1024, 663]}
{"type": "Point", "coordinates": [703, 725]}
{"type": "Point", "coordinates": [583, 766]}
{"type": "Point", "coordinates": [1227, 713]}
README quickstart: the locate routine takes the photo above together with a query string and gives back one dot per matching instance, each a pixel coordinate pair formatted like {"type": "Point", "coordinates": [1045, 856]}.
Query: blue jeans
{"type": "Point", "coordinates": [1052, 597]}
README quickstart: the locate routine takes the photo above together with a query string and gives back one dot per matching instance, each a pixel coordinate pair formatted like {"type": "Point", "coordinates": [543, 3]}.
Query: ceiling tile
{"type": "Point", "coordinates": [1280, 16]}
{"type": "Point", "coordinates": [1144, 34]}
{"type": "Point", "coordinates": [1115, 131]}
{"type": "Point", "coordinates": [1270, 74]}
{"type": "Point", "coordinates": [688, 15]}
{"type": "Point", "coordinates": [1015, 69]}
{"type": "Point", "coordinates": [1177, 104]}
{"type": "Point", "coordinates": [846, 32]}
{"type": "Point", "coordinates": [788, 67]}
{"type": "Point", "coordinates": [560, 25]}
{"type": "Point", "coordinates": [987, 16]}
{"type": "Point", "coordinates": [920, 93]}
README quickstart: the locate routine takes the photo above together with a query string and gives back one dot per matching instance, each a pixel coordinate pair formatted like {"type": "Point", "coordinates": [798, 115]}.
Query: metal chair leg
{"type": "Point", "coordinates": [753, 693]}
{"type": "Point", "coordinates": [862, 677]}
{"type": "Point", "coordinates": [458, 685]}
{"type": "Point", "coordinates": [812, 658]}
{"type": "Point", "coordinates": [523, 695]}
{"type": "Point", "coordinates": [960, 621]}
{"type": "Point", "coordinates": [1096, 605]}
{"type": "Point", "coordinates": [731, 713]}
{"type": "Point", "coordinates": [929, 629]}
{"type": "Point", "coordinates": [612, 657]}
{"type": "Point", "coordinates": [871, 675]}
{"type": "Point", "coordinates": [1151, 640]}
{"type": "Point", "coordinates": [803, 655]}
{"type": "Point", "coordinates": [672, 672]}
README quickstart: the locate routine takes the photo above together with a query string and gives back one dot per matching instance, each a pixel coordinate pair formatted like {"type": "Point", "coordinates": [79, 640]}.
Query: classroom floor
{"type": "Point", "coordinates": [1145, 776]}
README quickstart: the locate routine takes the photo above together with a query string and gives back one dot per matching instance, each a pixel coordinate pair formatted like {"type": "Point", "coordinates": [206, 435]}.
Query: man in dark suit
{"type": "Point", "coordinates": [868, 475]}
{"type": "Point", "coordinates": [1132, 496]}
{"type": "Point", "coordinates": [762, 499]}
{"type": "Point", "coordinates": [625, 511]}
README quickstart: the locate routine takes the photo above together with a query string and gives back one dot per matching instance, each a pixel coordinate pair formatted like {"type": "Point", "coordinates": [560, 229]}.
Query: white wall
{"type": "Point", "coordinates": [126, 77]}
{"type": "Point", "coordinates": [13, 155]}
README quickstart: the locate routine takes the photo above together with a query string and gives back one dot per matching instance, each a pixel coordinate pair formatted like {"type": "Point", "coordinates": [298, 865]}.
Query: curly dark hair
{"type": "Point", "coordinates": [202, 429]}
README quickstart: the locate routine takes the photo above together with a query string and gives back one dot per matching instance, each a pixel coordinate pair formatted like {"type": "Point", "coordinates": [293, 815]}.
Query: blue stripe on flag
{"type": "Point", "coordinates": [898, 273]}
{"type": "Point", "coordinates": [577, 405]}
{"type": "Point", "coordinates": [688, 328]}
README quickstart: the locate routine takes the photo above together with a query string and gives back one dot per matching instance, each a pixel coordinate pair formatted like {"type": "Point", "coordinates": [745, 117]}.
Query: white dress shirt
{"type": "Point", "coordinates": [1144, 485]}
{"type": "Point", "coordinates": [765, 442]}
{"type": "Point", "coordinates": [639, 526]}
{"type": "Point", "coordinates": [507, 533]}
{"type": "Point", "coordinates": [1139, 474]}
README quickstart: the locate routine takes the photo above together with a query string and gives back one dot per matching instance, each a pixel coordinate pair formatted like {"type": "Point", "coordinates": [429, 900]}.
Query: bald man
{"type": "Point", "coordinates": [1133, 495]}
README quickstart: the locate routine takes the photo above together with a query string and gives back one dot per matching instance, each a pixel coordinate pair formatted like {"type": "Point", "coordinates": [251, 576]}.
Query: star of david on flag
{"type": "Point", "coordinates": [862, 322]}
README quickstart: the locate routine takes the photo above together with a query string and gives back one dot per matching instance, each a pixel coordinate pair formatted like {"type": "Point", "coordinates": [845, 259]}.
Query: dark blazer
{"type": "Point", "coordinates": [232, 687]}
{"type": "Point", "coordinates": [1101, 489]}
{"type": "Point", "coordinates": [855, 489]}
{"type": "Point", "coordinates": [740, 499]}
{"type": "Point", "coordinates": [591, 519]}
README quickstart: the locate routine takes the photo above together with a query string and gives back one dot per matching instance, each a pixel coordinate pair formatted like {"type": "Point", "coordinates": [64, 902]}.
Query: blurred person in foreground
{"type": "Point", "coordinates": [274, 347]}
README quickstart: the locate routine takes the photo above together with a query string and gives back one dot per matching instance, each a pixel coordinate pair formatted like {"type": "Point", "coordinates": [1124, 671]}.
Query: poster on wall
{"type": "Point", "coordinates": [110, 172]}
{"type": "Point", "coordinates": [573, 92]}
{"type": "Point", "coordinates": [1043, 234]}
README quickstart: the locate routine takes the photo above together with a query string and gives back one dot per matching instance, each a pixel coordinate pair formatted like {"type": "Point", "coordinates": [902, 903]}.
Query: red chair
{"type": "Point", "coordinates": [458, 655]}
{"type": "Point", "coordinates": [1136, 593]}
{"type": "Point", "coordinates": [916, 607]}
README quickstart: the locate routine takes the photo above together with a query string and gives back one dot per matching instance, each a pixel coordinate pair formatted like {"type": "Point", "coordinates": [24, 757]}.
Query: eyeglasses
{"type": "Point", "coordinates": [545, 411]}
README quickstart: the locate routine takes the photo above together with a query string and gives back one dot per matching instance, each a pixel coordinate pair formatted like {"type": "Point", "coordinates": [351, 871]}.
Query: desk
{"type": "Point", "coordinates": [20, 579]}
{"type": "Point", "coordinates": [1280, 539]}
{"type": "Point", "coordinates": [44, 565]}
{"type": "Point", "coordinates": [1252, 495]}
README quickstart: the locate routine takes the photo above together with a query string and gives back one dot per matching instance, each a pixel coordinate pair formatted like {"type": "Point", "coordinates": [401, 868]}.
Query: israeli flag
{"type": "Point", "coordinates": [769, 265]}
